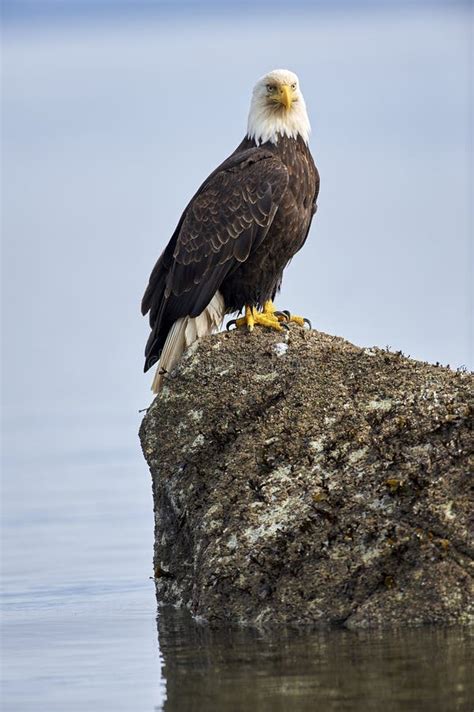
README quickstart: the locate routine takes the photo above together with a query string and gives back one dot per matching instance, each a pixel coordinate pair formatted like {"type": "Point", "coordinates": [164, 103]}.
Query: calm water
{"type": "Point", "coordinates": [101, 152]}
{"type": "Point", "coordinates": [79, 629]}
{"type": "Point", "coordinates": [419, 670]}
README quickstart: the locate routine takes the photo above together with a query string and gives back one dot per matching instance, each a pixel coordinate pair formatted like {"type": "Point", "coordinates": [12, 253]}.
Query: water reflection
{"type": "Point", "coordinates": [424, 669]}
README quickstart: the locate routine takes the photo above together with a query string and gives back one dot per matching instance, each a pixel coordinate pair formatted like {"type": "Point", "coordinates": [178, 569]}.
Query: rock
{"type": "Point", "coordinates": [300, 479]}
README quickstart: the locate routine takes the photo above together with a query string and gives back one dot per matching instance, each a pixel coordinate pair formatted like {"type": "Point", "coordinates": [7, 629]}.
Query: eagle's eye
{"type": "Point", "coordinates": [293, 86]}
{"type": "Point", "coordinates": [271, 88]}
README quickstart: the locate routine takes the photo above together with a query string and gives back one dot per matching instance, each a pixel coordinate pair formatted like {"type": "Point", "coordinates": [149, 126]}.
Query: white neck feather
{"type": "Point", "coordinates": [264, 124]}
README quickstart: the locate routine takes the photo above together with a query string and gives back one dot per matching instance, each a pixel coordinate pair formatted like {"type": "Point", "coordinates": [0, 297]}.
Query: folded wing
{"type": "Point", "coordinates": [227, 218]}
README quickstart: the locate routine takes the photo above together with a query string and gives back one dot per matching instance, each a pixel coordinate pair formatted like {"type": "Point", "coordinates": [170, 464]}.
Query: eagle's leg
{"type": "Point", "coordinates": [285, 316]}
{"type": "Point", "coordinates": [252, 317]}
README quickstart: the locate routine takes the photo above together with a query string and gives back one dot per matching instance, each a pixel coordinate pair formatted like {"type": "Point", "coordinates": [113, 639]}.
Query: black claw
{"type": "Point", "coordinates": [284, 326]}
{"type": "Point", "coordinates": [285, 314]}
{"type": "Point", "coordinates": [230, 323]}
{"type": "Point", "coordinates": [307, 321]}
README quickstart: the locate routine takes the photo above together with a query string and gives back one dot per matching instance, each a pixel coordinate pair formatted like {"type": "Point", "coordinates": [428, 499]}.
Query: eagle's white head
{"type": "Point", "coordinates": [278, 108]}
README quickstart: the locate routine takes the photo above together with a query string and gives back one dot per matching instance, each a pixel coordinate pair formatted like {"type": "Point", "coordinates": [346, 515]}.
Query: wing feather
{"type": "Point", "coordinates": [226, 219]}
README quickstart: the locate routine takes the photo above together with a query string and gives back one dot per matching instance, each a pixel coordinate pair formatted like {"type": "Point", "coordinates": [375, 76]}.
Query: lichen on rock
{"type": "Point", "coordinates": [314, 484]}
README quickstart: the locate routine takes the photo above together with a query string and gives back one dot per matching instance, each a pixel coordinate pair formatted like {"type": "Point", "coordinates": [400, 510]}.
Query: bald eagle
{"type": "Point", "coordinates": [239, 231]}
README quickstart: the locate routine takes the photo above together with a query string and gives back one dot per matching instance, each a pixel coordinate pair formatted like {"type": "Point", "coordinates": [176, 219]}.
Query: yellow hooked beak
{"type": "Point", "coordinates": [286, 96]}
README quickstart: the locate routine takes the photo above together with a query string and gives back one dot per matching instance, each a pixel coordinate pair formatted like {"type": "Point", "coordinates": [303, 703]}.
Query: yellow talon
{"type": "Point", "coordinates": [269, 317]}
{"type": "Point", "coordinates": [285, 317]}
{"type": "Point", "coordinates": [301, 321]}
{"type": "Point", "coordinates": [252, 316]}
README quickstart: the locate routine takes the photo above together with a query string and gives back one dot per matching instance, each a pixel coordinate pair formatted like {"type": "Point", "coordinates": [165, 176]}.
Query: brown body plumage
{"type": "Point", "coordinates": [259, 278]}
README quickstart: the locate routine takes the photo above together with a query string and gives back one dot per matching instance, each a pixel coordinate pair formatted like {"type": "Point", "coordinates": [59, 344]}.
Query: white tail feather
{"type": "Point", "coordinates": [183, 333]}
